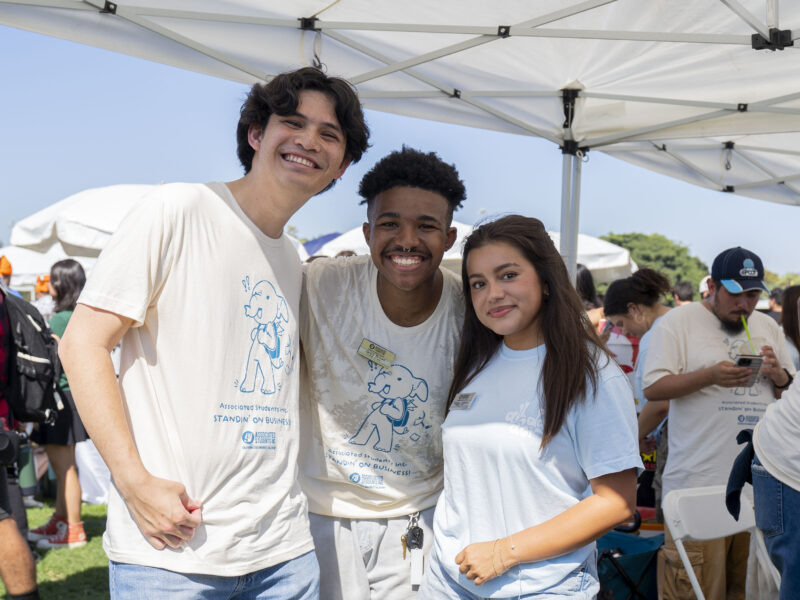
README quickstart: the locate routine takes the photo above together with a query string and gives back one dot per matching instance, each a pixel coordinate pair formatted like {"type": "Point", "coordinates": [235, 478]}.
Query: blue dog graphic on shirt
{"type": "Point", "coordinates": [268, 309]}
{"type": "Point", "coordinates": [398, 389]}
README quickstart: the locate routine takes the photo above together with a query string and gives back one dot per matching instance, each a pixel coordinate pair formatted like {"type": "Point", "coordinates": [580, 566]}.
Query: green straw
{"type": "Point", "coordinates": [747, 331]}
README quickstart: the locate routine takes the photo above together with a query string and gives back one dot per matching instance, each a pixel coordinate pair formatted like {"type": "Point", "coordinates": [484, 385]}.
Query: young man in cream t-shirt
{"type": "Point", "coordinates": [201, 436]}
{"type": "Point", "coordinates": [380, 335]}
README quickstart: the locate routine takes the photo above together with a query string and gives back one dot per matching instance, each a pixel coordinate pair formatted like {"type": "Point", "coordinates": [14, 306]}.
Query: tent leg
{"type": "Point", "coordinates": [772, 14]}
{"type": "Point", "coordinates": [574, 213]}
{"type": "Point", "coordinates": [566, 220]}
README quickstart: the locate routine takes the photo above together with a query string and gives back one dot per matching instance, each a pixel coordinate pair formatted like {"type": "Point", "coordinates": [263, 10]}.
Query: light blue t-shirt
{"type": "Point", "coordinates": [498, 482]}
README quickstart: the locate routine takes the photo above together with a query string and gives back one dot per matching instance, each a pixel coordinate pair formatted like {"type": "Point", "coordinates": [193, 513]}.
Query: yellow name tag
{"type": "Point", "coordinates": [375, 353]}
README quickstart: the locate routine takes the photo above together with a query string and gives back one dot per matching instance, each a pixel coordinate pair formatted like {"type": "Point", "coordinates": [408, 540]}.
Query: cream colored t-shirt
{"type": "Point", "coordinates": [703, 425]}
{"type": "Point", "coordinates": [209, 376]}
{"type": "Point", "coordinates": [372, 441]}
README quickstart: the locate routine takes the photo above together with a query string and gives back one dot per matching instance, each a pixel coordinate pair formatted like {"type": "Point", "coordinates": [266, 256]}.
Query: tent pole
{"type": "Point", "coordinates": [566, 174]}
{"type": "Point", "coordinates": [772, 14]}
{"type": "Point", "coordinates": [574, 210]}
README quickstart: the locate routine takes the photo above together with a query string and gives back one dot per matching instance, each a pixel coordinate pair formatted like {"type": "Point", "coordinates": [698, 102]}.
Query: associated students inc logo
{"type": "Point", "coordinates": [248, 437]}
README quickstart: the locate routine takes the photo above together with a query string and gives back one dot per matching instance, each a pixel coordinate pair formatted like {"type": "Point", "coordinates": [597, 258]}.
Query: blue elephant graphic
{"type": "Point", "coordinates": [268, 309]}
{"type": "Point", "coordinates": [398, 390]}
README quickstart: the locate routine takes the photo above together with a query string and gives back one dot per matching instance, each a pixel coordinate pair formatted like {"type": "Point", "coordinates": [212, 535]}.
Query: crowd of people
{"type": "Point", "coordinates": [375, 427]}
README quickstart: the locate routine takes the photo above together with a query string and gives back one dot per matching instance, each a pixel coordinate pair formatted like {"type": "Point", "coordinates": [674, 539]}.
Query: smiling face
{"type": "Point", "coordinates": [506, 293]}
{"type": "Point", "coordinates": [408, 233]}
{"type": "Point", "coordinates": [302, 152]}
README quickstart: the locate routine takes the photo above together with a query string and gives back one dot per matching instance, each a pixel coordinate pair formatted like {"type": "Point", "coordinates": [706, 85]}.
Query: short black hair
{"type": "Point", "coordinates": [282, 95]}
{"type": "Point", "coordinates": [412, 168]}
{"type": "Point", "coordinates": [684, 291]}
{"type": "Point", "coordinates": [777, 295]}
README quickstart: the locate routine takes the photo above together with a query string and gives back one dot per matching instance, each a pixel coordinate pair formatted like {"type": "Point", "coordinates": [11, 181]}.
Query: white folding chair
{"type": "Point", "coordinates": [700, 514]}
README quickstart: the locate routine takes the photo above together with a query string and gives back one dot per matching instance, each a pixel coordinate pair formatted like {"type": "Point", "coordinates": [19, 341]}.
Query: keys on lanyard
{"type": "Point", "coordinates": [412, 539]}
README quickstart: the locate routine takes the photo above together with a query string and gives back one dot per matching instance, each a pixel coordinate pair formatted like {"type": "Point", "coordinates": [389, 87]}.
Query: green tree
{"type": "Point", "coordinates": [664, 255]}
{"type": "Point", "coordinates": [774, 280]}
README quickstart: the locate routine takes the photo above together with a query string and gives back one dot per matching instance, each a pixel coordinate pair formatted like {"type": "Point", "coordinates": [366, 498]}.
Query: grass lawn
{"type": "Point", "coordinates": [79, 573]}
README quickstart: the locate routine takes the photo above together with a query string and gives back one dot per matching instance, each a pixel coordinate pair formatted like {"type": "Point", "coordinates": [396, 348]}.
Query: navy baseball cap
{"type": "Point", "coordinates": [739, 270]}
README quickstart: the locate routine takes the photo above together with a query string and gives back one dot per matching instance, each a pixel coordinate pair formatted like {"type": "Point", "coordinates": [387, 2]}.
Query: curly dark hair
{"type": "Point", "coordinates": [412, 168]}
{"type": "Point", "coordinates": [281, 97]}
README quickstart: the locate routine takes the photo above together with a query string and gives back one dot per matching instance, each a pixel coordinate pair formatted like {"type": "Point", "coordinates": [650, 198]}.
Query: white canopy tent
{"type": "Point", "coordinates": [605, 260]}
{"type": "Point", "coordinates": [707, 91]}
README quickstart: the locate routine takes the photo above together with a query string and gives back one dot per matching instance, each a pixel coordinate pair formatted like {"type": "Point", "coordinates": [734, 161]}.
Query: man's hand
{"type": "Point", "coordinates": [163, 511]}
{"type": "Point", "coordinates": [772, 368]}
{"type": "Point", "coordinates": [727, 374]}
{"type": "Point", "coordinates": [476, 562]}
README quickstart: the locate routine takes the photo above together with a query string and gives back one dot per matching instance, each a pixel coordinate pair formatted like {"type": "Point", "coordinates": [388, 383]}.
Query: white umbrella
{"type": "Point", "coordinates": [605, 260]}
{"type": "Point", "coordinates": [81, 223]}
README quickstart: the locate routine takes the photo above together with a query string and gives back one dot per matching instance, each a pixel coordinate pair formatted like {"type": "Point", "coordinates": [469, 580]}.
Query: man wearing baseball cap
{"type": "Point", "coordinates": [692, 361]}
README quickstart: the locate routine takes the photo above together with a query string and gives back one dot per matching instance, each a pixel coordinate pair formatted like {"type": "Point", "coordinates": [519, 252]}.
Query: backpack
{"type": "Point", "coordinates": [31, 391]}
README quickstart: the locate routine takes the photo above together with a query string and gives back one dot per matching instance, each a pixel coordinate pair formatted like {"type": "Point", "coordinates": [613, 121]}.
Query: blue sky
{"type": "Point", "coordinates": [74, 117]}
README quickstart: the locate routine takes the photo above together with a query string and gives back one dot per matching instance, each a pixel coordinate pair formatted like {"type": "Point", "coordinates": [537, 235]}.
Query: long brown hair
{"type": "Point", "coordinates": [789, 318]}
{"type": "Point", "coordinates": [572, 346]}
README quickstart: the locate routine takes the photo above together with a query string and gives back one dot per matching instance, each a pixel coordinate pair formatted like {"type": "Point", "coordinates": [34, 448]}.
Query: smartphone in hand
{"type": "Point", "coordinates": [752, 362]}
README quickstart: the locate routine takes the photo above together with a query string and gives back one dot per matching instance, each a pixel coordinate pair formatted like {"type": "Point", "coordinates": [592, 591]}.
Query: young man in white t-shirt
{"type": "Point", "coordinates": [692, 361]}
{"type": "Point", "coordinates": [380, 335]}
{"type": "Point", "coordinates": [201, 436]}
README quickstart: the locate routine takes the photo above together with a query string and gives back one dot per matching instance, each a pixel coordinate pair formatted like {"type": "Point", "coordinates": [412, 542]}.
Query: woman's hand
{"type": "Point", "coordinates": [484, 561]}
{"type": "Point", "coordinates": [475, 561]}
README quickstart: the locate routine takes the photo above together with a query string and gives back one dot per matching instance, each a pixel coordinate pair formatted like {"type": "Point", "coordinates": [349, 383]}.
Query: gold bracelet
{"type": "Point", "coordinates": [496, 574]}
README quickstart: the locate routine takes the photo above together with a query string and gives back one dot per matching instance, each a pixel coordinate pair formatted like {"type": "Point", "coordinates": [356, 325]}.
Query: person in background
{"type": "Point", "coordinates": [17, 568]}
{"type": "Point", "coordinates": [790, 322]}
{"type": "Point", "coordinates": [5, 276]}
{"type": "Point", "coordinates": [634, 305]}
{"type": "Point", "coordinates": [584, 283]}
{"type": "Point", "coordinates": [776, 484]}
{"type": "Point", "coordinates": [540, 451]}
{"type": "Point", "coordinates": [703, 287]}
{"type": "Point", "coordinates": [692, 361]}
{"type": "Point", "coordinates": [775, 304]}
{"type": "Point", "coordinates": [682, 293]}
{"type": "Point", "coordinates": [65, 528]}
{"type": "Point", "coordinates": [44, 302]}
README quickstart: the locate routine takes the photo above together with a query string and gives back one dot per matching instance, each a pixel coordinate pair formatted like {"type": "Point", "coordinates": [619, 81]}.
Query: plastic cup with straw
{"type": "Point", "coordinates": [749, 339]}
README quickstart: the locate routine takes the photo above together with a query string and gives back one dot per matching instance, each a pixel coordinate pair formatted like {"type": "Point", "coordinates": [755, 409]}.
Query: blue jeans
{"type": "Point", "coordinates": [296, 579]}
{"type": "Point", "coordinates": [580, 584]}
{"type": "Point", "coordinates": [778, 517]}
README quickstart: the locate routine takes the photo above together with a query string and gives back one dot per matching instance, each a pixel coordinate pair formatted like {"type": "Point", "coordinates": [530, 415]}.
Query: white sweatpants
{"type": "Point", "coordinates": [363, 559]}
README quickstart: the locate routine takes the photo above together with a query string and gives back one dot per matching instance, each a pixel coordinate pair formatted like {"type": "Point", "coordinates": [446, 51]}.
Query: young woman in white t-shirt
{"type": "Point", "coordinates": [540, 440]}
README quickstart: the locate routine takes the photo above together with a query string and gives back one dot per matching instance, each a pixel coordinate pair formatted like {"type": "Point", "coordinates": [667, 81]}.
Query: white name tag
{"type": "Point", "coordinates": [462, 401]}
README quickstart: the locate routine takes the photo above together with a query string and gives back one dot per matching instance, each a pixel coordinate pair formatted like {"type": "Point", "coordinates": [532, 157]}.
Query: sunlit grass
{"type": "Point", "coordinates": [71, 574]}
